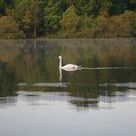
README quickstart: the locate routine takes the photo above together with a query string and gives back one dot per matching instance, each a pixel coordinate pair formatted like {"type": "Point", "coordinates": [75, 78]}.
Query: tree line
{"type": "Point", "coordinates": [67, 18]}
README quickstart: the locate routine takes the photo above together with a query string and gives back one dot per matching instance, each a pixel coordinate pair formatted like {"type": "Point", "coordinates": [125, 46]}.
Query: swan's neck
{"type": "Point", "coordinates": [60, 63]}
{"type": "Point", "coordinates": [60, 76]}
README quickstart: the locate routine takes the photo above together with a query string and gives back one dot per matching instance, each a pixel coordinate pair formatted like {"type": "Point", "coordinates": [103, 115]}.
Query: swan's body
{"type": "Point", "coordinates": [68, 67]}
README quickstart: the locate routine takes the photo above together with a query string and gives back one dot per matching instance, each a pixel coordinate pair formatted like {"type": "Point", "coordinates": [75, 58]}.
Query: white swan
{"type": "Point", "coordinates": [68, 67]}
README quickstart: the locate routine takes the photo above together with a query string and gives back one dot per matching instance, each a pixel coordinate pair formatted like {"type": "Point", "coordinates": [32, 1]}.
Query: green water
{"type": "Point", "coordinates": [36, 98]}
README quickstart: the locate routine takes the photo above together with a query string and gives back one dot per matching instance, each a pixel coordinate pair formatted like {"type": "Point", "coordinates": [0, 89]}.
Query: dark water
{"type": "Point", "coordinates": [38, 99]}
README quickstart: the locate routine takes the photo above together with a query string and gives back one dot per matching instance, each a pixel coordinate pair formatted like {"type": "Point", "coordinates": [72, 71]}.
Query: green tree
{"type": "Point", "coordinates": [119, 6]}
{"type": "Point", "coordinates": [105, 7]}
{"type": "Point", "coordinates": [4, 5]}
{"type": "Point", "coordinates": [83, 18]}
{"type": "Point", "coordinates": [29, 16]}
{"type": "Point", "coordinates": [93, 7]}
{"type": "Point", "coordinates": [52, 23]}
{"type": "Point", "coordinates": [70, 22]}
{"type": "Point", "coordinates": [87, 26]}
{"type": "Point", "coordinates": [53, 13]}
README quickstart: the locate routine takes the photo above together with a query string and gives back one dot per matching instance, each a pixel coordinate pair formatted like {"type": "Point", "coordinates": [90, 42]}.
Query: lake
{"type": "Point", "coordinates": [39, 99]}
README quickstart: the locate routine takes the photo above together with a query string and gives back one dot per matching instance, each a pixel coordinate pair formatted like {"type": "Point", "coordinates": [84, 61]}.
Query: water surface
{"type": "Point", "coordinates": [36, 98]}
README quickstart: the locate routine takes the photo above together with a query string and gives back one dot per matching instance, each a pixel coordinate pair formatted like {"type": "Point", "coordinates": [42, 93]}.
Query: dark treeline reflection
{"type": "Point", "coordinates": [8, 84]}
{"type": "Point", "coordinates": [32, 65]}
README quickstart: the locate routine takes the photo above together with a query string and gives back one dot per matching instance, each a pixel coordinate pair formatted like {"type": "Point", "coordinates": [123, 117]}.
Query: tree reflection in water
{"type": "Point", "coordinates": [32, 66]}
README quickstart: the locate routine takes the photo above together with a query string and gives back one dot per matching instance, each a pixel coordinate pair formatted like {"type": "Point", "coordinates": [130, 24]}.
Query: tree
{"type": "Point", "coordinates": [70, 22]}
{"type": "Point", "coordinates": [132, 4]}
{"type": "Point", "coordinates": [9, 28]}
{"type": "Point", "coordinates": [4, 5]}
{"type": "Point", "coordinates": [29, 16]}
{"type": "Point", "coordinates": [53, 13]}
{"type": "Point", "coordinates": [133, 25]}
{"type": "Point", "coordinates": [93, 7]}
{"type": "Point", "coordinates": [118, 6]}
{"type": "Point", "coordinates": [105, 7]}
{"type": "Point", "coordinates": [70, 17]}
{"type": "Point", "coordinates": [52, 23]}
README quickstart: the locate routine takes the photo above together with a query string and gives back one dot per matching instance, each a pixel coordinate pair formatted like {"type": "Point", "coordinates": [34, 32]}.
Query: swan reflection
{"type": "Point", "coordinates": [67, 70]}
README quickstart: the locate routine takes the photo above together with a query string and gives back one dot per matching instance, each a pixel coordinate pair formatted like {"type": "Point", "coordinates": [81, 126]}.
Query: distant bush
{"type": "Point", "coordinates": [120, 25]}
{"type": "Point", "coordinates": [133, 25]}
{"type": "Point", "coordinates": [9, 28]}
{"type": "Point", "coordinates": [123, 25]}
{"type": "Point", "coordinates": [68, 18]}
{"type": "Point", "coordinates": [70, 22]}
{"type": "Point", "coordinates": [87, 27]}
{"type": "Point", "coordinates": [52, 23]}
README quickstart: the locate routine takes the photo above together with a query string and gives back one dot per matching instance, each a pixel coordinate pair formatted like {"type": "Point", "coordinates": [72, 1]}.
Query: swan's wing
{"type": "Point", "coordinates": [70, 66]}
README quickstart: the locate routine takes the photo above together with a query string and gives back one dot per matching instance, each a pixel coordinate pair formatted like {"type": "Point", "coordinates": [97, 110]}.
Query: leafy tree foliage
{"type": "Point", "coordinates": [4, 5]}
{"type": "Point", "coordinates": [70, 21]}
{"type": "Point", "coordinates": [9, 28]}
{"type": "Point", "coordinates": [71, 18]}
{"type": "Point", "coordinates": [133, 25]}
{"type": "Point", "coordinates": [27, 14]}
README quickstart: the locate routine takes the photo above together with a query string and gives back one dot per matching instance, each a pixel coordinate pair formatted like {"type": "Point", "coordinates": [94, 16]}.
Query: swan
{"type": "Point", "coordinates": [67, 67]}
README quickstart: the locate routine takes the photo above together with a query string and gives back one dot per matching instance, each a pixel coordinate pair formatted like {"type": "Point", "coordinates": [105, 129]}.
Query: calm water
{"type": "Point", "coordinates": [38, 99]}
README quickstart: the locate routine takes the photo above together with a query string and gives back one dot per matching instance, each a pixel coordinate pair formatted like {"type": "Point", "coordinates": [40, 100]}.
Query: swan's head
{"type": "Point", "coordinates": [60, 57]}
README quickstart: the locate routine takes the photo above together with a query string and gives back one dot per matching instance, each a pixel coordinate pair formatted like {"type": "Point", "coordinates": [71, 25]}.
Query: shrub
{"type": "Point", "coordinates": [70, 22]}
{"type": "Point", "coordinates": [115, 26]}
{"type": "Point", "coordinates": [133, 25]}
{"type": "Point", "coordinates": [9, 28]}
